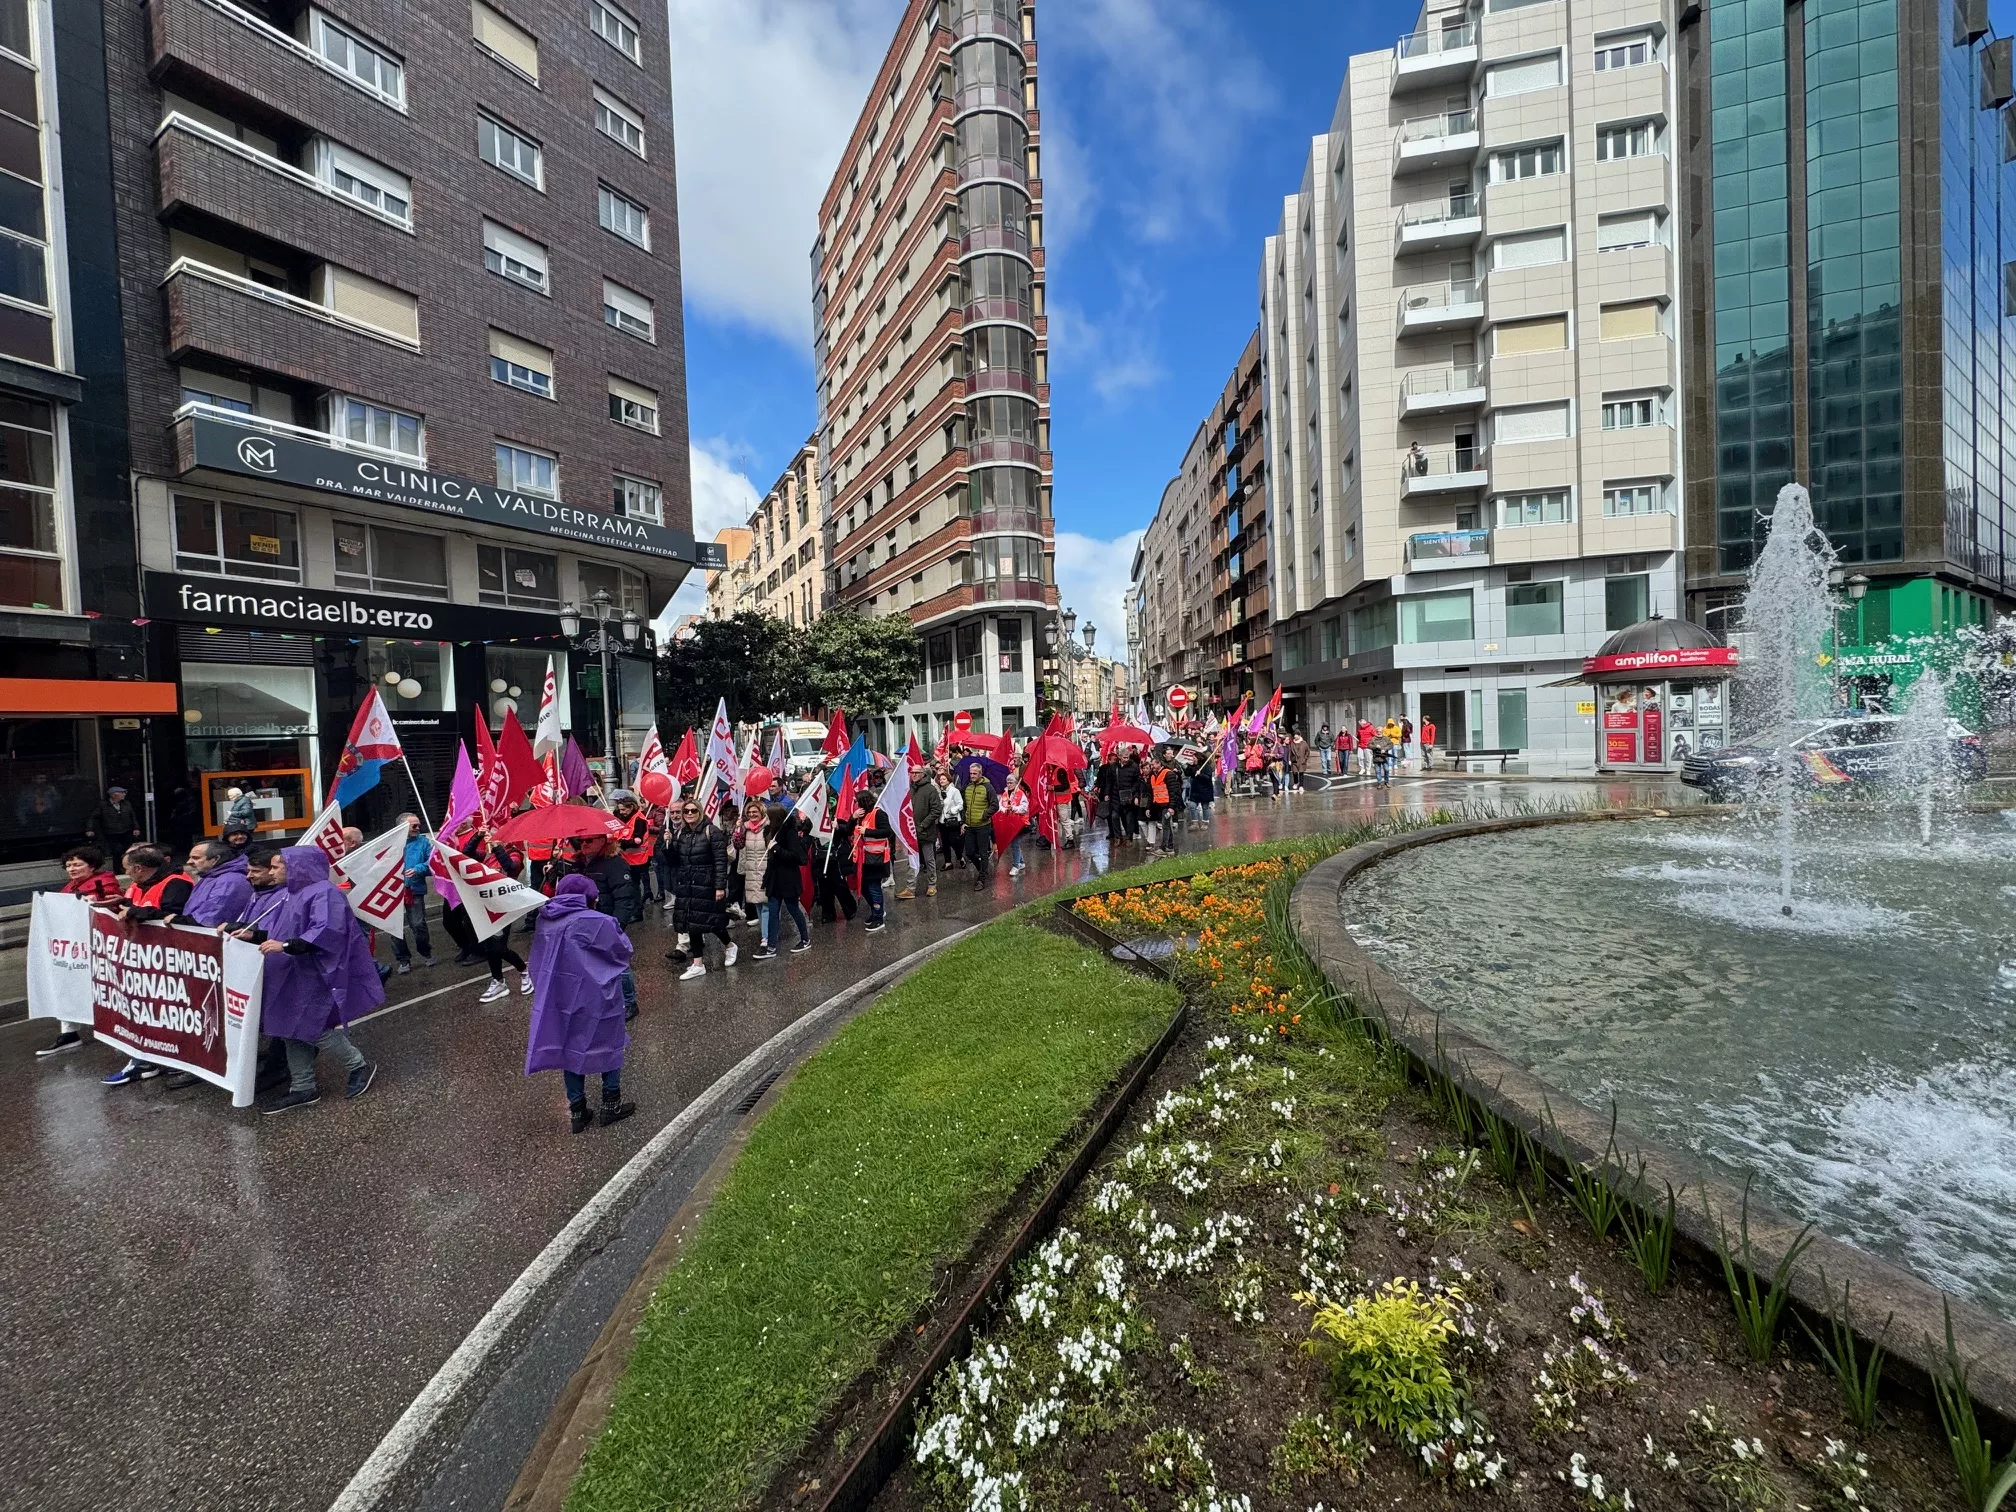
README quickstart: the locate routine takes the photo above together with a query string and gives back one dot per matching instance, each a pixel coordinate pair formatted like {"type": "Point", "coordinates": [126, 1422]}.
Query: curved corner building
{"type": "Point", "coordinates": [934, 428]}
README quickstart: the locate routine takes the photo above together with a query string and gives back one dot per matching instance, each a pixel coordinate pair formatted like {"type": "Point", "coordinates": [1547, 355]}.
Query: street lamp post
{"type": "Point", "coordinates": [1067, 650]}
{"type": "Point", "coordinates": [603, 611]}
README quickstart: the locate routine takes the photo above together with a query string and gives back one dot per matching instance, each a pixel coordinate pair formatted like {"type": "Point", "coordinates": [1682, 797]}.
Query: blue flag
{"type": "Point", "coordinates": [856, 760]}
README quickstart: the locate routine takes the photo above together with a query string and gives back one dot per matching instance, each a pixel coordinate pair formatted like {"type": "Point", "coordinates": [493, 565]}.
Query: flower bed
{"type": "Point", "coordinates": [1294, 1286]}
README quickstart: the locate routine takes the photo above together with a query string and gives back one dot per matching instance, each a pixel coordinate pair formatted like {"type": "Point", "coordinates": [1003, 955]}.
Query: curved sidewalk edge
{"type": "Point", "coordinates": [407, 1457]}
{"type": "Point", "coordinates": [1889, 1302]}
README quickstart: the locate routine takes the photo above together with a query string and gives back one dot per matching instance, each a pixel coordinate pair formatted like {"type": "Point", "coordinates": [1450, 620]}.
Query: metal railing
{"type": "Point", "coordinates": [1449, 123]}
{"type": "Point", "coordinates": [1434, 40]}
{"type": "Point", "coordinates": [994, 239]}
{"type": "Point", "coordinates": [195, 409]}
{"type": "Point", "coordinates": [1447, 295]}
{"type": "Point", "coordinates": [1442, 380]}
{"type": "Point", "coordinates": [1441, 461]}
{"type": "Point", "coordinates": [1436, 212]}
{"type": "Point", "coordinates": [1000, 381]}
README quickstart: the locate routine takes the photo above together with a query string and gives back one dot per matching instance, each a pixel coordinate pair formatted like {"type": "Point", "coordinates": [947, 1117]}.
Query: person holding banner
{"type": "Point", "coordinates": [319, 977]}
{"type": "Point", "coordinates": [86, 876]}
{"type": "Point", "coordinates": [579, 959]}
{"type": "Point", "coordinates": [223, 889]}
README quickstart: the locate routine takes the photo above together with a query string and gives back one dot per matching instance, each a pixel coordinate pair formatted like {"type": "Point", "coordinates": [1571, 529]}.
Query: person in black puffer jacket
{"type": "Point", "coordinates": [784, 880]}
{"type": "Point", "coordinates": [697, 857]}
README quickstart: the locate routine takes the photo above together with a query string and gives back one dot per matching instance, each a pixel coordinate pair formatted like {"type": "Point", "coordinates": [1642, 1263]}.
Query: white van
{"type": "Point", "coordinates": [804, 743]}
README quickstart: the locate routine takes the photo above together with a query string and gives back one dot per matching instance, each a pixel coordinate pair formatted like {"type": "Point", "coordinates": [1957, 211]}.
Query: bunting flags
{"type": "Point", "coordinates": [522, 767]}
{"type": "Point", "coordinates": [546, 738]}
{"type": "Point", "coordinates": [370, 744]}
{"type": "Point", "coordinates": [377, 879]}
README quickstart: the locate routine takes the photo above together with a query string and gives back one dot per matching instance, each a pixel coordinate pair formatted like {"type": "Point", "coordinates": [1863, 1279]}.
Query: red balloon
{"type": "Point", "coordinates": [655, 788]}
{"type": "Point", "coordinates": [759, 782]}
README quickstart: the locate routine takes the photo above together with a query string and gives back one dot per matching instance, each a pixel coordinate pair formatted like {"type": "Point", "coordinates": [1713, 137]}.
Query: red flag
{"type": "Point", "coordinates": [913, 755]}
{"type": "Point", "coordinates": [686, 761]}
{"type": "Point", "coordinates": [1273, 711]}
{"type": "Point", "coordinates": [847, 808]}
{"type": "Point", "coordinates": [837, 739]}
{"type": "Point", "coordinates": [1004, 749]}
{"type": "Point", "coordinates": [522, 767]}
{"type": "Point", "coordinates": [493, 780]}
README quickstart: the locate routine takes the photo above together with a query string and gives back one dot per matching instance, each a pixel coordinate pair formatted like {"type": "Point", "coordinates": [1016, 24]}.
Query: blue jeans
{"type": "Point", "coordinates": [773, 911]}
{"type": "Point", "coordinates": [1015, 849]}
{"type": "Point", "coordinates": [871, 889]}
{"type": "Point", "coordinates": [416, 920]}
{"type": "Point", "coordinates": [577, 1085]}
{"type": "Point", "coordinates": [629, 980]}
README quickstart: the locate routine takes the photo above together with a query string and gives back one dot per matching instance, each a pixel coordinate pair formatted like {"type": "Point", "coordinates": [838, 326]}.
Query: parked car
{"type": "Point", "coordinates": [1832, 752]}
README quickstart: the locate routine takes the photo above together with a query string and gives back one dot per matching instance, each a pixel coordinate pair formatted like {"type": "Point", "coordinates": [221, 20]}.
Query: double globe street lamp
{"type": "Point", "coordinates": [1068, 651]}
{"type": "Point", "coordinates": [603, 611]}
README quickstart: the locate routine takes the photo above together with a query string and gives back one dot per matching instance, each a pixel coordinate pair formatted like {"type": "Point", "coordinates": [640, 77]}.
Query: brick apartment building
{"type": "Point", "coordinates": [404, 369]}
{"type": "Point", "coordinates": [931, 356]}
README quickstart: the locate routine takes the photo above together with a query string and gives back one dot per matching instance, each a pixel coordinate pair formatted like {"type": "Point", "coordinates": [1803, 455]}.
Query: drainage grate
{"type": "Point", "coordinates": [755, 1094]}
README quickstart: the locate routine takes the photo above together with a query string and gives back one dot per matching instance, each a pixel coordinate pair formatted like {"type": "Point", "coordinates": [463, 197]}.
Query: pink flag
{"type": "Point", "coordinates": [326, 833]}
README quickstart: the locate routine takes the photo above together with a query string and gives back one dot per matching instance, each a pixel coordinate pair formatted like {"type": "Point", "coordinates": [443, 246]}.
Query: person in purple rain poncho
{"type": "Point", "coordinates": [223, 890]}
{"type": "Point", "coordinates": [319, 977]}
{"type": "Point", "coordinates": [578, 960]}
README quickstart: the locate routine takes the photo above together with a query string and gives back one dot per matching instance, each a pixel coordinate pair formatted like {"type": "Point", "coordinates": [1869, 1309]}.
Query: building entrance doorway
{"type": "Point", "coordinates": [1446, 711]}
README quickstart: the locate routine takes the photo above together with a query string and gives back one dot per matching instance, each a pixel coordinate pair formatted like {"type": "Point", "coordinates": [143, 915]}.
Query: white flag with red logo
{"type": "Point", "coordinates": [895, 802]}
{"type": "Point", "coordinates": [818, 808]}
{"type": "Point", "coordinates": [491, 899]}
{"type": "Point", "coordinates": [776, 761]}
{"type": "Point", "coordinates": [377, 878]}
{"type": "Point", "coordinates": [547, 737]}
{"type": "Point", "coordinates": [326, 833]}
{"type": "Point", "coordinates": [652, 758]}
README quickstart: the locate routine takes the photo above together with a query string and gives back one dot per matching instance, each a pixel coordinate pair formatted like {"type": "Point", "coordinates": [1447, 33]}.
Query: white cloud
{"type": "Point", "coordinates": [1092, 578]}
{"type": "Point", "coordinates": [1114, 354]}
{"type": "Point", "coordinates": [723, 495]}
{"type": "Point", "coordinates": [764, 95]}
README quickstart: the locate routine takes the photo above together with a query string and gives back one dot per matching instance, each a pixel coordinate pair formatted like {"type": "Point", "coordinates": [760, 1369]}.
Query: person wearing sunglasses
{"type": "Point", "coordinates": [697, 861]}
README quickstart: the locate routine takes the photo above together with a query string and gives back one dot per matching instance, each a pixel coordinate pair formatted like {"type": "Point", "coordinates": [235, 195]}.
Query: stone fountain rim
{"type": "Point", "coordinates": [1889, 1302]}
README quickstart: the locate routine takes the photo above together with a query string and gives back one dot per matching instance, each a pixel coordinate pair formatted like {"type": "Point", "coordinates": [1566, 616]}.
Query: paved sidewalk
{"type": "Point", "coordinates": [202, 1308]}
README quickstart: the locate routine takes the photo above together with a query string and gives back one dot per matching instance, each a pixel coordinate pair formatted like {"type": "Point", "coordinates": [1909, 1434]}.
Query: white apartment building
{"type": "Point", "coordinates": [1469, 327]}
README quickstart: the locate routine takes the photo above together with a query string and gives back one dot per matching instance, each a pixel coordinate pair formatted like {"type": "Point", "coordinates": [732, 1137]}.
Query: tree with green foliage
{"type": "Point", "coordinates": [865, 665]}
{"type": "Point", "coordinates": [755, 661]}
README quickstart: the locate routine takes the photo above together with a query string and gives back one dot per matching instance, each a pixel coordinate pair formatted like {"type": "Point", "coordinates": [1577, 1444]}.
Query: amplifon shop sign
{"type": "Point", "coordinates": [279, 458]}
{"type": "Point", "coordinates": [1709, 661]}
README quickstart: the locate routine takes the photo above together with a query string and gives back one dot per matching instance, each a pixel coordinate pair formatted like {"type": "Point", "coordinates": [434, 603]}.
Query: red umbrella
{"type": "Point", "coordinates": [1115, 735]}
{"type": "Point", "coordinates": [558, 821]}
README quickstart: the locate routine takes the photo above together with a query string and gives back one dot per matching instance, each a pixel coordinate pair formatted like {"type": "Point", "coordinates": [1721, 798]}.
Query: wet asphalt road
{"type": "Point", "coordinates": [202, 1308]}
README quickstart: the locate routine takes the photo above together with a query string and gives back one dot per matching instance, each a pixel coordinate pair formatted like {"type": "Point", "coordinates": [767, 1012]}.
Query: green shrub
{"type": "Point", "coordinates": [1386, 1358]}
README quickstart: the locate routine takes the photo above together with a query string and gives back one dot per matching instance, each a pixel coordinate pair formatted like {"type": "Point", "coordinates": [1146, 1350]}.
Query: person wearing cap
{"type": "Point", "coordinates": [115, 824]}
{"type": "Point", "coordinates": [579, 960]}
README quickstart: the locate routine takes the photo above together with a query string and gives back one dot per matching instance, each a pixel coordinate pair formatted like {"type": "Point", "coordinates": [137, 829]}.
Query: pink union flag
{"type": "Point", "coordinates": [895, 802]}
{"type": "Point", "coordinates": [326, 833]}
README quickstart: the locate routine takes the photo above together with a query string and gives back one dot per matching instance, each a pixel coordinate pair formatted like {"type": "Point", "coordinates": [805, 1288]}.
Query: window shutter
{"type": "Point", "coordinates": [1524, 74]}
{"type": "Point", "coordinates": [367, 300]}
{"type": "Point", "coordinates": [630, 303]}
{"type": "Point", "coordinates": [525, 353]}
{"type": "Point", "coordinates": [1549, 334]}
{"type": "Point", "coordinates": [635, 393]}
{"type": "Point", "coordinates": [1634, 230]}
{"type": "Point", "coordinates": [1531, 250]}
{"type": "Point", "coordinates": [1626, 321]}
{"type": "Point", "coordinates": [522, 249]}
{"type": "Point", "coordinates": [1531, 422]}
{"type": "Point", "coordinates": [504, 38]}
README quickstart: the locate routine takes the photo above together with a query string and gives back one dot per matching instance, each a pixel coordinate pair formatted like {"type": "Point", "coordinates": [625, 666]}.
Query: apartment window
{"type": "Point", "coordinates": [516, 154]}
{"type": "Point", "coordinates": [1527, 162]}
{"type": "Point", "coordinates": [31, 562]}
{"type": "Point", "coordinates": [505, 40]}
{"type": "Point", "coordinates": [616, 27]}
{"type": "Point", "coordinates": [638, 498]}
{"type": "Point", "coordinates": [515, 257]}
{"type": "Point", "coordinates": [1523, 74]}
{"type": "Point", "coordinates": [1430, 617]}
{"type": "Point", "coordinates": [1637, 228]}
{"type": "Point", "coordinates": [1530, 422]}
{"type": "Point", "coordinates": [523, 470]}
{"type": "Point", "coordinates": [625, 217]}
{"type": "Point", "coordinates": [520, 364]}
{"type": "Point", "coordinates": [357, 60]}
{"type": "Point", "coordinates": [371, 184]}
{"type": "Point", "coordinates": [217, 392]}
{"type": "Point", "coordinates": [1517, 337]}
{"type": "Point", "coordinates": [1533, 609]}
{"type": "Point", "coordinates": [619, 122]}
{"type": "Point", "coordinates": [383, 560]}
{"type": "Point", "coordinates": [1624, 499]}
{"type": "Point", "coordinates": [629, 312]}
{"type": "Point", "coordinates": [634, 406]}
{"type": "Point", "coordinates": [1550, 508]}
{"type": "Point", "coordinates": [367, 302]}
{"type": "Point", "coordinates": [1530, 249]}
{"type": "Point", "coordinates": [366, 424]}
{"type": "Point", "coordinates": [1636, 139]}
{"type": "Point", "coordinates": [1633, 411]}
{"type": "Point", "coordinates": [1626, 322]}
{"type": "Point", "coordinates": [1626, 601]}
{"type": "Point", "coordinates": [235, 540]}
{"type": "Point", "coordinates": [1623, 52]}
{"type": "Point", "coordinates": [525, 579]}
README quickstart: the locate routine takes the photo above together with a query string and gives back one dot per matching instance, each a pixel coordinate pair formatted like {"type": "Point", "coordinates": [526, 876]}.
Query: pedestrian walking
{"type": "Point", "coordinates": [1346, 741]}
{"type": "Point", "coordinates": [1382, 760]}
{"type": "Point", "coordinates": [1203, 791]}
{"type": "Point", "coordinates": [949, 851]}
{"type": "Point", "coordinates": [319, 977]}
{"type": "Point", "coordinates": [578, 1028]}
{"type": "Point", "coordinates": [1155, 802]}
{"type": "Point", "coordinates": [748, 854]}
{"type": "Point", "coordinates": [1427, 744]}
{"type": "Point", "coordinates": [1366, 730]}
{"type": "Point", "coordinates": [1132, 794]}
{"type": "Point", "coordinates": [636, 842]}
{"type": "Point", "coordinates": [699, 866]}
{"type": "Point", "coordinates": [1298, 761]}
{"type": "Point", "coordinates": [240, 812]}
{"type": "Point", "coordinates": [836, 872]}
{"type": "Point", "coordinates": [927, 808]}
{"type": "Point", "coordinates": [1017, 804]}
{"type": "Point", "coordinates": [114, 825]}
{"type": "Point", "coordinates": [1323, 746]}
{"type": "Point", "coordinates": [223, 889]}
{"type": "Point", "coordinates": [874, 848]}
{"type": "Point", "coordinates": [413, 869]}
{"type": "Point", "coordinates": [1406, 739]}
{"type": "Point", "coordinates": [783, 881]}
{"type": "Point", "coordinates": [978, 803]}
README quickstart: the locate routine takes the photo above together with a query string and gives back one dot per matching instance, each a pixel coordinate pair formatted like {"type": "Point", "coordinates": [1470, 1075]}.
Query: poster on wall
{"type": "Point", "coordinates": [1620, 728]}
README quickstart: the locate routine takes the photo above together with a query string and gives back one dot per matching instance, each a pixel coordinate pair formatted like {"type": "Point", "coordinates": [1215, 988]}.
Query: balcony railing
{"type": "Point", "coordinates": [1002, 449]}
{"type": "Point", "coordinates": [994, 239]}
{"type": "Point", "coordinates": [986, 97]}
{"type": "Point", "coordinates": [1431, 213]}
{"type": "Point", "coordinates": [179, 124]}
{"type": "Point", "coordinates": [983, 166]}
{"type": "Point", "coordinates": [1436, 40]}
{"type": "Point", "coordinates": [1442, 469]}
{"type": "Point", "coordinates": [1001, 381]}
{"type": "Point", "coordinates": [1433, 127]}
{"type": "Point", "coordinates": [196, 409]}
{"type": "Point", "coordinates": [1449, 548]}
{"type": "Point", "coordinates": [1455, 387]}
{"type": "Point", "coordinates": [987, 24]}
{"type": "Point", "coordinates": [186, 267]}
{"type": "Point", "coordinates": [1021, 311]}
{"type": "Point", "coordinates": [1452, 302]}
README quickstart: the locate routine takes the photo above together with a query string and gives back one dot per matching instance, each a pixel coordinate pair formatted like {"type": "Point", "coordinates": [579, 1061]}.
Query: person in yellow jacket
{"type": "Point", "coordinates": [1396, 737]}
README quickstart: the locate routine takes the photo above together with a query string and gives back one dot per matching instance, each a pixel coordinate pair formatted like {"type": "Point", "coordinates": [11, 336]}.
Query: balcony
{"type": "Point", "coordinates": [994, 239]}
{"type": "Point", "coordinates": [1448, 306]}
{"type": "Point", "coordinates": [987, 23]}
{"type": "Point", "coordinates": [983, 168]}
{"type": "Point", "coordinates": [222, 315]}
{"type": "Point", "coordinates": [1001, 381]}
{"type": "Point", "coordinates": [1435, 141]}
{"type": "Point", "coordinates": [1435, 391]}
{"type": "Point", "coordinates": [202, 169]}
{"type": "Point", "coordinates": [1002, 449]}
{"type": "Point", "coordinates": [1433, 472]}
{"type": "Point", "coordinates": [1439, 55]}
{"type": "Point", "coordinates": [993, 311]}
{"type": "Point", "coordinates": [198, 410]}
{"type": "Point", "coordinates": [1453, 222]}
{"type": "Point", "coordinates": [1434, 551]}
{"type": "Point", "coordinates": [969, 97]}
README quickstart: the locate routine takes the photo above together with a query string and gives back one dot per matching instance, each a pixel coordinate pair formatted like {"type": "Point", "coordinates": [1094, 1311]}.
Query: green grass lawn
{"type": "Point", "coordinates": [884, 1157]}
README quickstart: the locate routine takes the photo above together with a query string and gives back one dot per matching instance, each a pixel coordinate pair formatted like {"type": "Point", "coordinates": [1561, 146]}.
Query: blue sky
{"type": "Point", "coordinates": [1171, 129]}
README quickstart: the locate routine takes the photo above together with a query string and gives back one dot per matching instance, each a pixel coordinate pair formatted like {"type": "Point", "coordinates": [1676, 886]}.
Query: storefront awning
{"type": "Point", "coordinates": [61, 698]}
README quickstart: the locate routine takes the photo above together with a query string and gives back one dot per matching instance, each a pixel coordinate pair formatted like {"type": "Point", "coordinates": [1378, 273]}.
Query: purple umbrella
{"type": "Point", "coordinates": [995, 773]}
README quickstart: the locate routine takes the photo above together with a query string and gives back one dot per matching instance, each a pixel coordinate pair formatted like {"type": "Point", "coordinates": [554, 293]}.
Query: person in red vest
{"type": "Point", "coordinates": [153, 891]}
{"type": "Point", "coordinates": [86, 876]}
{"type": "Point", "coordinates": [637, 841]}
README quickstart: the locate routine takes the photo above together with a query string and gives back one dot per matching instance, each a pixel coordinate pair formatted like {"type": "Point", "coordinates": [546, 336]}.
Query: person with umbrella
{"type": "Point", "coordinates": [979, 801]}
{"type": "Point", "coordinates": [579, 962]}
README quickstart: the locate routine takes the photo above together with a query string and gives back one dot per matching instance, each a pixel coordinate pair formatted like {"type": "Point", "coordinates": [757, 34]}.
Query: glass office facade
{"type": "Point", "coordinates": [1753, 370]}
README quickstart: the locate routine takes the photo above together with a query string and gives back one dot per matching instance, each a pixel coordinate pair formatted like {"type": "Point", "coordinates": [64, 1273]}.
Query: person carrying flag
{"type": "Point", "coordinates": [637, 841]}
{"type": "Point", "coordinates": [874, 852]}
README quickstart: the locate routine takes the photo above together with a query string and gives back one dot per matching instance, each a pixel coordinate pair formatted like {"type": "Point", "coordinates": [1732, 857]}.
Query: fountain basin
{"type": "Point", "coordinates": [1563, 986]}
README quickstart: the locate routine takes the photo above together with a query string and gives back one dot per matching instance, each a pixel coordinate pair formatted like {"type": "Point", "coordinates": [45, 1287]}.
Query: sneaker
{"type": "Point", "coordinates": [292, 1100]}
{"type": "Point", "coordinates": [875, 924]}
{"type": "Point", "coordinates": [148, 1071]}
{"type": "Point", "coordinates": [493, 992]}
{"type": "Point", "coordinates": [524, 983]}
{"type": "Point", "coordinates": [697, 969]}
{"type": "Point", "coordinates": [180, 1080]}
{"type": "Point", "coordinates": [729, 955]}
{"type": "Point", "coordinates": [670, 904]}
{"type": "Point", "coordinates": [405, 968]}
{"type": "Point", "coordinates": [360, 1080]}
{"type": "Point", "coordinates": [426, 960]}
{"type": "Point", "coordinates": [801, 947]}
{"type": "Point", "coordinates": [906, 895]}
{"type": "Point", "coordinates": [763, 953]}
{"type": "Point", "coordinates": [69, 1039]}
{"type": "Point", "coordinates": [931, 891]}
{"type": "Point", "coordinates": [677, 957]}
{"type": "Point", "coordinates": [1016, 871]}
{"type": "Point", "coordinates": [130, 1072]}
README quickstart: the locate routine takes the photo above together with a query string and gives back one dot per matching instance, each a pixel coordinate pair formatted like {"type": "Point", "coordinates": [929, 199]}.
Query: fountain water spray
{"type": "Point", "coordinates": [1788, 621]}
{"type": "Point", "coordinates": [1927, 747]}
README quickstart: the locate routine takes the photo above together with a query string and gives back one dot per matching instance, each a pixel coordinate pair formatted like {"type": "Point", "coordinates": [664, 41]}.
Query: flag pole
{"type": "Point", "coordinates": [418, 802]}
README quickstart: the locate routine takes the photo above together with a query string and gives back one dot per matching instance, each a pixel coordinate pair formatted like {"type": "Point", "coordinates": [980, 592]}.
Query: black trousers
{"type": "Point", "coordinates": [980, 847]}
{"type": "Point", "coordinates": [835, 896]}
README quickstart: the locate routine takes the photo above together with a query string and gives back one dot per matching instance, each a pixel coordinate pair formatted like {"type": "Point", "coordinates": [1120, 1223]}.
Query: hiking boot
{"type": "Point", "coordinates": [614, 1109]}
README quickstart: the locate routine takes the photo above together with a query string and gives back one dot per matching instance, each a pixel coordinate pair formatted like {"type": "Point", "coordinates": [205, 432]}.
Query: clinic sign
{"type": "Point", "coordinates": [279, 458]}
